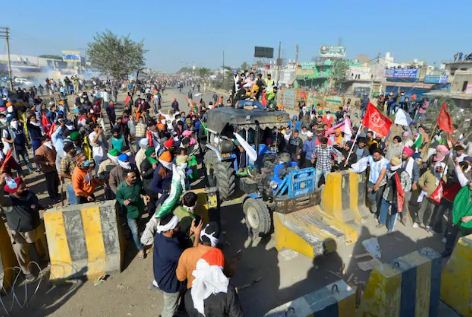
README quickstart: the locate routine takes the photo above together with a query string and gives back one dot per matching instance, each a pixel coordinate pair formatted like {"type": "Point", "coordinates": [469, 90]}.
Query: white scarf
{"type": "Point", "coordinates": [209, 279]}
{"type": "Point", "coordinates": [169, 226]}
{"type": "Point", "coordinates": [409, 166]}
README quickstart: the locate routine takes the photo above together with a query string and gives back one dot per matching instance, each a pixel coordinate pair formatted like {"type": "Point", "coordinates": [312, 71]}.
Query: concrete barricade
{"type": "Point", "coordinates": [456, 279]}
{"type": "Point", "coordinates": [409, 286]}
{"type": "Point", "coordinates": [84, 240]}
{"type": "Point", "coordinates": [343, 197]}
{"type": "Point", "coordinates": [8, 259]}
{"type": "Point", "coordinates": [334, 300]}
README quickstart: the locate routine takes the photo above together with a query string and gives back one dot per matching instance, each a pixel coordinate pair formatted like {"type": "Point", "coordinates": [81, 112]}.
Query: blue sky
{"type": "Point", "coordinates": [188, 32]}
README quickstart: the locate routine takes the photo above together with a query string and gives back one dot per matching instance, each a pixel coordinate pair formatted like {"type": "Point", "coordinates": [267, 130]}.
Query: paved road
{"type": "Point", "coordinates": [264, 277]}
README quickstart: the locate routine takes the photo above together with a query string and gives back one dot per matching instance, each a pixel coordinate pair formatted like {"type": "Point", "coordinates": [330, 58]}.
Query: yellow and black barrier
{"type": "Point", "coordinates": [84, 240]}
{"type": "Point", "coordinates": [334, 300]}
{"type": "Point", "coordinates": [8, 259]}
{"type": "Point", "coordinates": [456, 279]}
{"type": "Point", "coordinates": [343, 196]}
{"type": "Point", "coordinates": [409, 286]}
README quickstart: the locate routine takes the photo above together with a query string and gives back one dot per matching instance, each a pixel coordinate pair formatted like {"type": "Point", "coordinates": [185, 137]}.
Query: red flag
{"type": "Point", "coordinates": [444, 119]}
{"type": "Point", "coordinates": [376, 121]}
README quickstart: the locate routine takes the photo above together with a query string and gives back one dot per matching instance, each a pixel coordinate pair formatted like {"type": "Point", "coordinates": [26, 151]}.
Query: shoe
{"type": "Point", "coordinates": [379, 225]}
{"type": "Point", "coordinates": [415, 225]}
{"type": "Point", "coordinates": [428, 228]}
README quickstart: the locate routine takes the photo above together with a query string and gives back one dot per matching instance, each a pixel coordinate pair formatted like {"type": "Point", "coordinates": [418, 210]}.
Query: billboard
{"type": "Point", "coordinates": [435, 79]}
{"type": "Point", "coordinates": [402, 73]}
{"type": "Point", "coordinates": [264, 52]}
{"type": "Point", "coordinates": [71, 56]}
{"type": "Point", "coordinates": [332, 51]}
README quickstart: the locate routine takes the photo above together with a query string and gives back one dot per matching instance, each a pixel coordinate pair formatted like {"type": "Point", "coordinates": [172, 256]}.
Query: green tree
{"type": "Point", "coordinates": [340, 68]}
{"type": "Point", "coordinates": [115, 56]}
{"type": "Point", "coordinates": [245, 66]}
{"type": "Point", "coordinates": [203, 72]}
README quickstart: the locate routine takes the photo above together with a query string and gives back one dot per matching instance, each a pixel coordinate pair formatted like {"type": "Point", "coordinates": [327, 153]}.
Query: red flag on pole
{"type": "Point", "coordinates": [444, 119]}
{"type": "Point", "coordinates": [376, 121]}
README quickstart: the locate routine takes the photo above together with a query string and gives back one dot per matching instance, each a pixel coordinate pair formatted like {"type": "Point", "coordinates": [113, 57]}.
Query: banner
{"type": "Point", "coordinates": [405, 73]}
{"type": "Point", "coordinates": [376, 121]}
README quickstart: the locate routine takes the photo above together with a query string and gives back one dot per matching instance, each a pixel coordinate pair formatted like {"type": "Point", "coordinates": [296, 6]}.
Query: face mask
{"type": "Point", "coordinates": [14, 125]}
{"type": "Point", "coordinates": [3, 121]}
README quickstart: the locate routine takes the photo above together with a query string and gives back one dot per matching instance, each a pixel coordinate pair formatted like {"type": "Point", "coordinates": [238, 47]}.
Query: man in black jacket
{"type": "Point", "coordinates": [22, 212]}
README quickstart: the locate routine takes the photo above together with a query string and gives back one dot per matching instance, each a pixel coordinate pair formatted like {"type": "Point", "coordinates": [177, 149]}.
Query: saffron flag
{"type": "Point", "coordinates": [444, 119]}
{"type": "Point", "coordinates": [376, 121]}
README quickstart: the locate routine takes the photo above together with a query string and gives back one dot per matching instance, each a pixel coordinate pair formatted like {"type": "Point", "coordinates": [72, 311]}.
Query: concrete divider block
{"type": "Point", "coordinates": [7, 259]}
{"type": "Point", "coordinates": [343, 197]}
{"type": "Point", "coordinates": [84, 240]}
{"type": "Point", "coordinates": [334, 300]}
{"type": "Point", "coordinates": [456, 278]}
{"type": "Point", "coordinates": [409, 286]}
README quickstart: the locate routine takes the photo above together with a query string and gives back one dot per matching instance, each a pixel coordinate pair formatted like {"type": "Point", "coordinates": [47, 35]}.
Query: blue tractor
{"type": "Point", "coordinates": [269, 181]}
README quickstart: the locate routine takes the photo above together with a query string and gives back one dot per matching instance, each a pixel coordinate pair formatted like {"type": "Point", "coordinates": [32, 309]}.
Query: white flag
{"type": "Point", "coordinates": [402, 118]}
{"type": "Point", "coordinates": [249, 150]}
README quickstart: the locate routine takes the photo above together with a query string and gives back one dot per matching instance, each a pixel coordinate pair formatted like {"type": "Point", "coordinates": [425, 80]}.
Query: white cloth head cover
{"type": "Point", "coordinates": [169, 226]}
{"type": "Point", "coordinates": [143, 143]}
{"type": "Point", "coordinates": [125, 165]}
{"type": "Point", "coordinates": [209, 279]}
{"type": "Point", "coordinates": [213, 240]}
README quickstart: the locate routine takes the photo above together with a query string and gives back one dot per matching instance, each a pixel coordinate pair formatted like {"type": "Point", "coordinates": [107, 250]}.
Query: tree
{"type": "Point", "coordinates": [340, 68]}
{"type": "Point", "coordinates": [203, 72]}
{"type": "Point", "coordinates": [115, 56]}
{"type": "Point", "coordinates": [245, 66]}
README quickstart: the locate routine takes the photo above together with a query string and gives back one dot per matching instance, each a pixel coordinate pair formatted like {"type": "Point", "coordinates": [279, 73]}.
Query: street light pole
{"type": "Point", "coordinates": [5, 33]}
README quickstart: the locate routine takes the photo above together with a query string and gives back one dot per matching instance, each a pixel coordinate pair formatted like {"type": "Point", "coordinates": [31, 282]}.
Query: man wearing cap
{"type": "Point", "coordinates": [309, 150]}
{"type": "Point", "coordinates": [398, 181]}
{"type": "Point", "coordinates": [45, 155]}
{"type": "Point", "coordinates": [295, 146]}
{"type": "Point", "coordinates": [118, 173]}
{"type": "Point", "coordinates": [22, 214]}
{"type": "Point", "coordinates": [83, 182]}
{"type": "Point", "coordinates": [128, 195]}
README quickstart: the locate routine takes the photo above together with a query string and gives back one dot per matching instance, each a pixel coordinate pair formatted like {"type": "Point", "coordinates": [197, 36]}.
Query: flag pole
{"type": "Point", "coordinates": [353, 143]}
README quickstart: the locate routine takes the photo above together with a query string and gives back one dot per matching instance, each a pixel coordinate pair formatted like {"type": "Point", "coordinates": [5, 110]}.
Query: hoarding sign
{"type": "Point", "coordinates": [71, 56]}
{"type": "Point", "coordinates": [263, 52]}
{"type": "Point", "coordinates": [403, 73]}
{"type": "Point", "coordinates": [435, 79]}
{"type": "Point", "coordinates": [332, 51]}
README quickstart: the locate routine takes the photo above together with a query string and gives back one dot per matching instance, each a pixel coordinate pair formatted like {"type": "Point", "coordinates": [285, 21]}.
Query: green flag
{"type": "Point", "coordinates": [418, 141]}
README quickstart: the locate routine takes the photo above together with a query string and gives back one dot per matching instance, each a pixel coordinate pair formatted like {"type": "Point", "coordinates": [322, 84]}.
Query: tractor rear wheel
{"type": "Point", "coordinates": [258, 218]}
{"type": "Point", "coordinates": [225, 179]}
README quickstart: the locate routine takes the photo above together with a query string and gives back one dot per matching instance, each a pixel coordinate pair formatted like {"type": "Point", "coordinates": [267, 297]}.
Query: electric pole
{"type": "Point", "coordinates": [297, 52]}
{"type": "Point", "coordinates": [279, 63]}
{"type": "Point", "coordinates": [5, 34]}
{"type": "Point", "coordinates": [223, 69]}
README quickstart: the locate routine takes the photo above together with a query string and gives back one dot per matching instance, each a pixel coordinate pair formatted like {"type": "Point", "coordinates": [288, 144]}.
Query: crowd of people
{"type": "Point", "coordinates": [147, 158]}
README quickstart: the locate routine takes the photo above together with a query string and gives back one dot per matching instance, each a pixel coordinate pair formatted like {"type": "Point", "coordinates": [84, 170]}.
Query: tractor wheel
{"type": "Point", "coordinates": [210, 160]}
{"type": "Point", "coordinates": [257, 216]}
{"type": "Point", "coordinates": [225, 179]}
